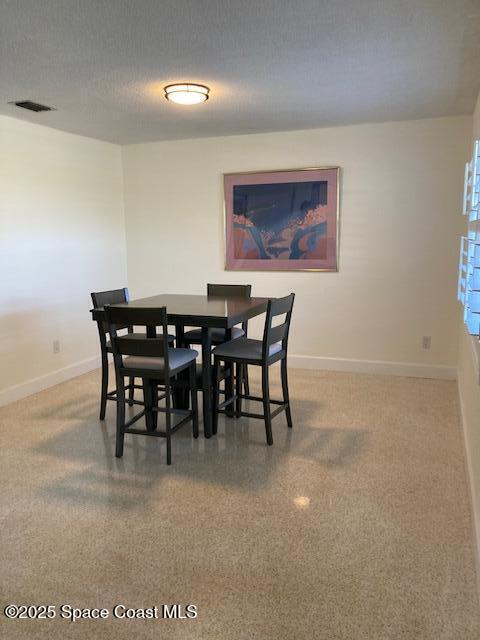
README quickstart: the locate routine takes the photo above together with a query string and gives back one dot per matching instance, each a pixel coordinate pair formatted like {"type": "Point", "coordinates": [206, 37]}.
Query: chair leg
{"type": "Point", "coordinates": [175, 401]}
{"type": "Point", "coordinates": [155, 394]}
{"type": "Point", "coordinates": [180, 395]}
{"type": "Point", "coordinates": [193, 395]}
{"type": "Point", "coordinates": [148, 399]}
{"type": "Point", "coordinates": [238, 389]}
{"type": "Point", "coordinates": [168, 426]}
{"type": "Point", "coordinates": [120, 418]}
{"type": "Point", "coordinates": [246, 383]}
{"type": "Point", "coordinates": [286, 397]}
{"type": "Point", "coordinates": [215, 383]}
{"type": "Point", "coordinates": [266, 404]}
{"type": "Point", "coordinates": [229, 390]}
{"type": "Point", "coordinates": [185, 376]}
{"type": "Point", "coordinates": [131, 391]}
{"type": "Point", "coordinates": [104, 388]}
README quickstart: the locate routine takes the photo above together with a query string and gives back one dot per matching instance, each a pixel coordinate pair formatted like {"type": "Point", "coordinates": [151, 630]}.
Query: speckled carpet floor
{"type": "Point", "coordinates": [355, 525]}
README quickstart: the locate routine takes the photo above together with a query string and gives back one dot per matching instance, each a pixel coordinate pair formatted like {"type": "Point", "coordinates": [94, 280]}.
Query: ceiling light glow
{"type": "Point", "coordinates": [186, 93]}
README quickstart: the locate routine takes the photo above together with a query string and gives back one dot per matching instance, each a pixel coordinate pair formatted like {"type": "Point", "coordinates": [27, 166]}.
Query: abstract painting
{"type": "Point", "coordinates": [282, 220]}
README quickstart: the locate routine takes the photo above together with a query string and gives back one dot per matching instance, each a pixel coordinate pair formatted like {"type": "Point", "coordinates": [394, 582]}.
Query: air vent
{"type": "Point", "coordinates": [31, 106]}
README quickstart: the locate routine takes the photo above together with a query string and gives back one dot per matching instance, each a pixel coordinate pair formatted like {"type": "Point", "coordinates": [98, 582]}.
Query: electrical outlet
{"type": "Point", "coordinates": [426, 342]}
{"type": "Point", "coordinates": [56, 346]}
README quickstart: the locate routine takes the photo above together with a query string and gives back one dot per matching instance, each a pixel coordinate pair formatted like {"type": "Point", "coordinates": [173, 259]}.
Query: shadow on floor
{"type": "Point", "coordinates": [238, 456]}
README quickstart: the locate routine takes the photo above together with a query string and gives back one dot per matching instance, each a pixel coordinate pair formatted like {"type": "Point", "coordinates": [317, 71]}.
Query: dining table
{"type": "Point", "coordinates": [204, 312]}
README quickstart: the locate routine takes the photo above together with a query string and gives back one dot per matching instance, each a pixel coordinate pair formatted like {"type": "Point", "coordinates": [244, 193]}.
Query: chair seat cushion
{"type": "Point", "coordinates": [178, 359]}
{"type": "Point", "coordinates": [138, 335]}
{"type": "Point", "coordinates": [245, 348]}
{"type": "Point", "coordinates": [218, 335]}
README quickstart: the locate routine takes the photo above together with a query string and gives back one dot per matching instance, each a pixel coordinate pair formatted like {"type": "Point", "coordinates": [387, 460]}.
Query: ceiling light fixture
{"type": "Point", "coordinates": [186, 93]}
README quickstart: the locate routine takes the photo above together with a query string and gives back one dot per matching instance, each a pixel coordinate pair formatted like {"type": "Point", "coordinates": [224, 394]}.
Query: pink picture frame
{"type": "Point", "coordinates": [282, 220]}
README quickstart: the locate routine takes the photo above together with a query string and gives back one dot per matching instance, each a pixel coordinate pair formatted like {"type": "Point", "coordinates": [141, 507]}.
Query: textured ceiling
{"type": "Point", "coordinates": [272, 65]}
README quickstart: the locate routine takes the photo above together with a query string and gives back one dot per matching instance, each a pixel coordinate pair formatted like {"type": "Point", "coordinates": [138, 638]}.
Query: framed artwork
{"type": "Point", "coordinates": [282, 220]}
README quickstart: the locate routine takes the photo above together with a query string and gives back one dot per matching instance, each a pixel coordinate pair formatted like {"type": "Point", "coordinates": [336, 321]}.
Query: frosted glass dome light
{"type": "Point", "coordinates": [186, 93]}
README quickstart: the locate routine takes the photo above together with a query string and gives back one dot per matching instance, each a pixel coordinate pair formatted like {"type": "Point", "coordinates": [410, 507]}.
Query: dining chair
{"type": "Point", "coordinates": [194, 336]}
{"type": "Point", "coordinates": [262, 353]}
{"type": "Point", "coordinates": [158, 365]}
{"type": "Point", "coordinates": [99, 300]}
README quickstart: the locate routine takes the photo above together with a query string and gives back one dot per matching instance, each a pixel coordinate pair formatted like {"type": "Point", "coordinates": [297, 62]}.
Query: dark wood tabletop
{"type": "Point", "coordinates": [201, 310]}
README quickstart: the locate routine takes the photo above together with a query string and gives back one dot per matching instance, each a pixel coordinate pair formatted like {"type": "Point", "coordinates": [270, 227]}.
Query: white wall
{"type": "Point", "coordinates": [401, 186]}
{"type": "Point", "coordinates": [62, 235]}
{"type": "Point", "coordinates": [469, 389]}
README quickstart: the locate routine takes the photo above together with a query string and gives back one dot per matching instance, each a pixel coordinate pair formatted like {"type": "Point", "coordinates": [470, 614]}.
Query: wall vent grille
{"type": "Point", "coordinates": [31, 106]}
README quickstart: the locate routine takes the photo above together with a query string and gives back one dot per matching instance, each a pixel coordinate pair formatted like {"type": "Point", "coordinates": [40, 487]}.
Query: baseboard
{"type": "Point", "coordinates": [471, 490]}
{"type": "Point", "coordinates": [408, 369]}
{"type": "Point", "coordinates": [35, 385]}
{"type": "Point", "coordinates": [24, 389]}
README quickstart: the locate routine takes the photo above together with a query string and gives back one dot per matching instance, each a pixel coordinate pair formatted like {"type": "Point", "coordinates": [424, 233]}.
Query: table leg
{"type": "Point", "coordinates": [151, 331]}
{"type": "Point", "coordinates": [207, 380]}
{"type": "Point", "coordinates": [230, 409]}
{"type": "Point", "coordinates": [179, 333]}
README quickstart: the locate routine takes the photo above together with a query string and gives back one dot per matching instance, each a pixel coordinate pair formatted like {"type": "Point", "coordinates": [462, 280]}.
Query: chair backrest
{"type": "Point", "coordinates": [129, 344]}
{"type": "Point", "coordinates": [278, 333]}
{"type": "Point", "coordinates": [114, 296]}
{"type": "Point", "coordinates": [236, 290]}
